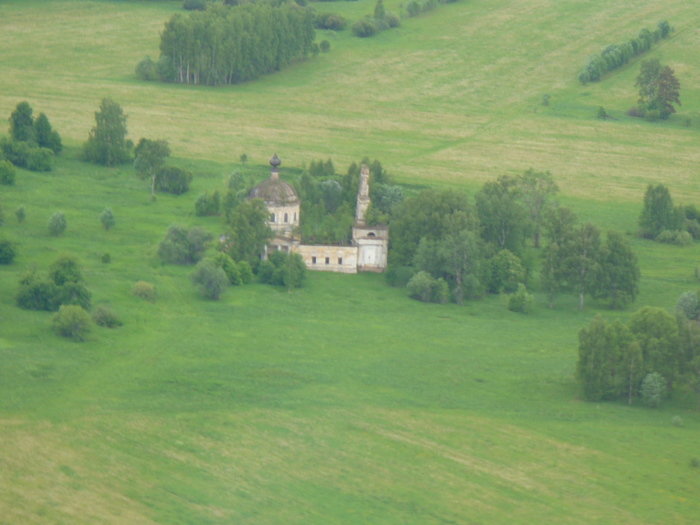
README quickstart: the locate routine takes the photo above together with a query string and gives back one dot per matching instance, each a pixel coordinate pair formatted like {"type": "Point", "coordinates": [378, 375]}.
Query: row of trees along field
{"type": "Point", "coordinates": [617, 55]}
{"type": "Point", "coordinates": [227, 45]}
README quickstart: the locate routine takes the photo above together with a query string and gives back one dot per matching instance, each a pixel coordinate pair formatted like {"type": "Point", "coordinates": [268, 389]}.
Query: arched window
{"type": "Point", "coordinates": [272, 217]}
{"type": "Point", "coordinates": [371, 234]}
{"type": "Point", "coordinates": [286, 218]}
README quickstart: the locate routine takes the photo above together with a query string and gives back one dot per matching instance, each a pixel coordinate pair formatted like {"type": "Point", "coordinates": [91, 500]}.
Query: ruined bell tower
{"type": "Point", "coordinates": [362, 197]}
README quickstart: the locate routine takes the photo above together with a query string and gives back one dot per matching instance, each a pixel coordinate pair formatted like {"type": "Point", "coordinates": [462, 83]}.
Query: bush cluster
{"type": "Point", "coordinates": [521, 301]}
{"type": "Point", "coordinates": [208, 204]}
{"type": "Point", "coordinates": [104, 316]}
{"type": "Point", "coordinates": [617, 55]}
{"type": "Point", "coordinates": [183, 246]}
{"type": "Point", "coordinates": [424, 287]}
{"type": "Point", "coordinates": [64, 286]}
{"type": "Point", "coordinates": [7, 173]}
{"type": "Point", "coordinates": [145, 291]}
{"type": "Point", "coordinates": [7, 252]}
{"type": "Point", "coordinates": [283, 269]}
{"type": "Point", "coordinates": [71, 321]}
{"type": "Point", "coordinates": [170, 179]}
{"type": "Point", "coordinates": [417, 7]}
{"type": "Point", "coordinates": [331, 21]}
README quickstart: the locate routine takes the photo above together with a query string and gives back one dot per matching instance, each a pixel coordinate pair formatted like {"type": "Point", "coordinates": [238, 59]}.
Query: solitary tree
{"type": "Point", "coordinates": [107, 144]}
{"type": "Point", "coordinates": [249, 231]}
{"type": "Point", "coordinates": [580, 260]}
{"type": "Point", "coordinates": [619, 272]}
{"type": "Point", "coordinates": [150, 157]}
{"type": "Point", "coordinates": [210, 278]}
{"type": "Point", "coordinates": [659, 88]}
{"type": "Point", "coordinates": [46, 136]}
{"type": "Point", "coordinates": [22, 123]}
{"type": "Point", "coordinates": [537, 189]}
{"type": "Point", "coordinates": [658, 213]}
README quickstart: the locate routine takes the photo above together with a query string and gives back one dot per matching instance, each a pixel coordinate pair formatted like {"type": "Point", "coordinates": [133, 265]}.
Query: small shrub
{"type": "Point", "coordinates": [145, 290]}
{"type": "Point", "coordinates": [40, 159]}
{"type": "Point", "coordinates": [246, 272]}
{"type": "Point", "coordinates": [210, 279]}
{"type": "Point", "coordinates": [57, 224]}
{"type": "Point", "coordinates": [325, 46]}
{"type": "Point", "coordinates": [692, 226]}
{"type": "Point", "coordinates": [636, 112]}
{"type": "Point", "coordinates": [521, 301]}
{"type": "Point", "coordinates": [207, 205]}
{"type": "Point", "coordinates": [653, 390]}
{"type": "Point", "coordinates": [65, 269]}
{"type": "Point", "coordinates": [545, 99]}
{"type": "Point", "coordinates": [424, 287]}
{"type": "Point", "coordinates": [364, 28]}
{"type": "Point", "coordinates": [602, 114]}
{"type": "Point", "coordinates": [16, 152]}
{"type": "Point", "coordinates": [147, 69]}
{"type": "Point", "coordinates": [35, 294]}
{"type": "Point", "coordinates": [229, 266]}
{"type": "Point", "coordinates": [106, 258]}
{"type": "Point", "coordinates": [103, 316]}
{"type": "Point", "coordinates": [183, 246]}
{"type": "Point", "coordinates": [677, 421]}
{"type": "Point", "coordinates": [170, 179]}
{"type": "Point", "coordinates": [677, 237]}
{"type": "Point", "coordinates": [73, 293]}
{"type": "Point", "coordinates": [21, 214]}
{"type": "Point", "coordinates": [688, 305]}
{"type": "Point", "coordinates": [71, 321]}
{"type": "Point", "coordinates": [107, 219]}
{"type": "Point", "coordinates": [7, 252]}
{"type": "Point", "coordinates": [695, 462]}
{"type": "Point", "coordinates": [243, 158]}
{"type": "Point", "coordinates": [392, 21]}
{"type": "Point", "coordinates": [331, 21]}
{"type": "Point", "coordinates": [7, 173]}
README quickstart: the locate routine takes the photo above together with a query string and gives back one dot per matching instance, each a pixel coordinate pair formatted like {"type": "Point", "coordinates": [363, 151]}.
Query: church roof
{"type": "Point", "coordinates": [274, 191]}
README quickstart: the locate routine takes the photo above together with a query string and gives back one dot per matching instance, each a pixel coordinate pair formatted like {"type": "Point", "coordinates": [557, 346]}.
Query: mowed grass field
{"type": "Point", "coordinates": [342, 402]}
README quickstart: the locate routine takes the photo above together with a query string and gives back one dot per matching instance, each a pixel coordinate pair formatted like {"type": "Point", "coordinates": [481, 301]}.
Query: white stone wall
{"type": "Point", "coordinates": [342, 259]}
{"type": "Point", "coordinates": [279, 224]}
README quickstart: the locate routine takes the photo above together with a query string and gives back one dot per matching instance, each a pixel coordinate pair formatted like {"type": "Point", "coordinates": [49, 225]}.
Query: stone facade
{"type": "Point", "coordinates": [370, 244]}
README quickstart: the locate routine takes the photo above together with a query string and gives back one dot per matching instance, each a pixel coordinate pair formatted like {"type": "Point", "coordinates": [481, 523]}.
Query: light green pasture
{"type": "Point", "coordinates": [342, 402]}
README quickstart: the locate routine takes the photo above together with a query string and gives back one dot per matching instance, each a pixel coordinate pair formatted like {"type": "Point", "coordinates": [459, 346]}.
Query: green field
{"type": "Point", "coordinates": [342, 402]}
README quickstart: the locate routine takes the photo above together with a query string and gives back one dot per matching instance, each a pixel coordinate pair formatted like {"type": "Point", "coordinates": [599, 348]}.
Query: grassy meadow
{"type": "Point", "coordinates": [344, 401]}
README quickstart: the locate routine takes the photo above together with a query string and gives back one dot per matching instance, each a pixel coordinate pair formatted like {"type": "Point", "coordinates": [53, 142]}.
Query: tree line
{"type": "Point", "coordinates": [617, 55]}
{"type": "Point", "coordinates": [651, 356]}
{"type": "Point", "coordinates": [444, 246]}
{"type": "Point", "coordinates": [228, 45]}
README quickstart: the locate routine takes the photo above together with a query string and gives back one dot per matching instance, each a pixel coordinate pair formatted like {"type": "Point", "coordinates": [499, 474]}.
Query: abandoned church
{"type": "Point", "coordinates": [367, 251]}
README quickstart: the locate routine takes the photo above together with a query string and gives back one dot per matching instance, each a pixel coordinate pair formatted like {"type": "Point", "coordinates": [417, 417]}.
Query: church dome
{"type": "Point", "coordinates": [274, 191]}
